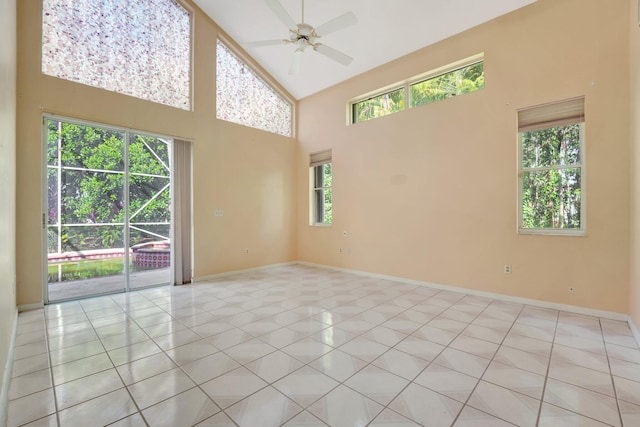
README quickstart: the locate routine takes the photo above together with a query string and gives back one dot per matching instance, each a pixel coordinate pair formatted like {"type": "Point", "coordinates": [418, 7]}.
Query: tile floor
{"type": "Point", "coordinates": [305, 346]}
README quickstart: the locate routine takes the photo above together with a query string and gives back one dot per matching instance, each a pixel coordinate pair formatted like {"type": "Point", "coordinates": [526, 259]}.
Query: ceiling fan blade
{"type": "Point", "coordinates": [282, 14]}
{"type": "Point", "coordinates": [296, 60]}
{"type": "Point", "coordinates": [333, 54]}
{"type": "Point", "coordinates": [266, 43]}
{"type": "Point", "coordinates": [336, 24]}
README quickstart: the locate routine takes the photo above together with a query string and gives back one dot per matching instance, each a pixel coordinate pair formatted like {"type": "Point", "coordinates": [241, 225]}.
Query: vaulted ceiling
{"type": "Point", "coordinates": [386, 30]}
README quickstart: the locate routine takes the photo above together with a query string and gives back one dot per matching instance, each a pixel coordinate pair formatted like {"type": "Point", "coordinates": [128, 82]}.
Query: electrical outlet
{"type": "Point", "coordinates": [507, 269]}
{"type": "Point", "coordinates": [246, 251]}
{"type": "Point", "coordinates": [339, 250]}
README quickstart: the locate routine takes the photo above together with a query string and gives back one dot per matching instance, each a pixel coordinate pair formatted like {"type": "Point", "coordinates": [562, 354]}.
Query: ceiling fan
{"type": "Point", "coordinates": [304, 35]}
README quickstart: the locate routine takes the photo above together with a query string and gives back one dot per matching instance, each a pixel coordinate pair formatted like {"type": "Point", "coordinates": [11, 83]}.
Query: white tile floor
{"type": "Point", "coordinates": [304, 346]}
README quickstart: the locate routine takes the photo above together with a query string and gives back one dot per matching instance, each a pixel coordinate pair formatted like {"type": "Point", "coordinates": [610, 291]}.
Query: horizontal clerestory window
{"type": "Point", "coordinates": [378, 105]}
{"type": "Point", "coordinates": [451, 80]}
{"type": "Point", "coordinates": [456, 82]}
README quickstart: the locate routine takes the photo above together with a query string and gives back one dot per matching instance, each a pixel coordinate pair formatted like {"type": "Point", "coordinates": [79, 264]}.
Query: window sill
{"type": "Point", "coordinates": [551, 232]}
{"type": "Point", "coordinates": [321, 225]}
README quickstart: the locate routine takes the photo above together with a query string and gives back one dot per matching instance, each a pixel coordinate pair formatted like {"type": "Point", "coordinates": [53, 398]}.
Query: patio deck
{"type": "Point", "coordinates": [61, 291]}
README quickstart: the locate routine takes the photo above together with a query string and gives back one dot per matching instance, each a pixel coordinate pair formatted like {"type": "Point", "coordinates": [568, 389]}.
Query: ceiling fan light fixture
{"type": "Point", "coordinates": [303, 35]}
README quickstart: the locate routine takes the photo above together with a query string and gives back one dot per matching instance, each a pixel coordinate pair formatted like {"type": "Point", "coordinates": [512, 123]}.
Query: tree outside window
{"type": "Point", "coordinates": [323, 194]}
{"type": "Point", "coordinates": [457, 81]}
{"type": "Point", "coordinates": [551, 168]}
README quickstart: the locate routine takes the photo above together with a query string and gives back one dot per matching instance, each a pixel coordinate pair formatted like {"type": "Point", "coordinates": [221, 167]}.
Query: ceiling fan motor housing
{"type": "Point", "coordinates": [304, 36]}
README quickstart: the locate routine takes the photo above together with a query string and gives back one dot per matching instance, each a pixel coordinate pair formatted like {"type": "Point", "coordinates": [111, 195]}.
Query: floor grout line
{"type": "Point", "coordinates": [546, 377]}
{"type": "Point", "coordinates": [295, 290]}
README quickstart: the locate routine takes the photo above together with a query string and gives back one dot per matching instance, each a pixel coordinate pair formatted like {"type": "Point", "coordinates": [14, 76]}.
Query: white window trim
{"type": "Point", "coordinates": [322, 224]}
{"type": "Point", "coordinates": [314, 203]}
{"type": "Point", "coordinates": [380, 92]}
{"type": "Point", "coordinates": [582, 231]}
{"type": "Point", "coordinates": [318, 159]}
{"type": "Point", "coordinates": [406, 84]}
{"type": "Point", "coordinates": [44, 196]}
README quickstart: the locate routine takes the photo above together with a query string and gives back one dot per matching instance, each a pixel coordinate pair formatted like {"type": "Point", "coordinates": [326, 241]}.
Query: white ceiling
{"type": "Point", "coordinates": [386, 30]}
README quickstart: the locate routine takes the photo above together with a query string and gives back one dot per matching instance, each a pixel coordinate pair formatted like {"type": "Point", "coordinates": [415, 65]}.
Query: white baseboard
{"type": "Point", "coordinates": [8, 368]}
{"type": "Point", "coordinates": [29, 307]}
{"type": "Point", "coordinates": [634, 330]}
{"type": "Point", "coordinates": [246, 270]}
{"type": "Point", "coordinates": [500, 297]}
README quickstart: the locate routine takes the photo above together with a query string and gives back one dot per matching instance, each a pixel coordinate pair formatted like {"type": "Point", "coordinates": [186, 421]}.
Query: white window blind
{"type": "Point", "coordinates": [561, 113]}
{"type": "Point", "coordinates": [182, 153]}
{"type": "Point", "coordinates": [320, 158]}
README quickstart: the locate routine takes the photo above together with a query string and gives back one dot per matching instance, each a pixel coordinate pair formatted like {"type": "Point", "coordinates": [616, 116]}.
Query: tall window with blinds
{"type": "Point", "coordinates": [551, 168]}
{"type": "Point", "coordinates": [321, 177]}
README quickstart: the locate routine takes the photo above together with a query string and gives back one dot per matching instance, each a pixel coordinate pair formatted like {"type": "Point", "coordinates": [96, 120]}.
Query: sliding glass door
{"type": "Point", "coordinates": [108, 215]}
{"type": "Point", "coordinates": [149, 213]}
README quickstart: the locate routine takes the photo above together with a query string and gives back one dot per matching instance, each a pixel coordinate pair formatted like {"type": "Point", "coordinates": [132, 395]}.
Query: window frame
{"type": "Point", "coordinates": [316, 167]}
{"type": "Point", "coordinates": [263, 77]}
{"type": "Point", "coordinates": [406, 85]}
{"type": "Point", "coordinates": [191, 72]}
{"type": "Point", "coordinates": [354, 104]}
{"type": "Point", "coordinates": [581, 165]}
{"type": "Point", "coordinates": [458, 67]}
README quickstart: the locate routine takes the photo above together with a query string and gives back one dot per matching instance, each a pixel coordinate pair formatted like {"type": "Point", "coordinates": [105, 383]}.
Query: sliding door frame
{"type": "Point", "coordinates": [126, 234]}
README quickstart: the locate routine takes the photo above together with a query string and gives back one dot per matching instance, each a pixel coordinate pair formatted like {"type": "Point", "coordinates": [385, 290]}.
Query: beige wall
{"type": "Point", "coordinates": [247, 173]}
{"type": "Point", "coordinates": [634, 55]}
{"type": "Point", "coordinates": [431, 193]}
{"type": "Point", "coordinates": [7, 179]}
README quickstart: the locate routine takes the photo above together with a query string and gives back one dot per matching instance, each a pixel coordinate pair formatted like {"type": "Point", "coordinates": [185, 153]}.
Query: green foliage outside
{"type": "Point", "coordinates": [328, 193]}
{"type": "Point", "coordinates": [551, 182]}
{"type": "Point", "coordinates": [379, 106]}
{"type": "Point", "coordinates": [323, 180]}
{"type": "Point", "coordinates": [88, 269]}
{"type": "Point", "coordinates": [453, 83]}
{"type": "Point", "coordinates": [91, 176]}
